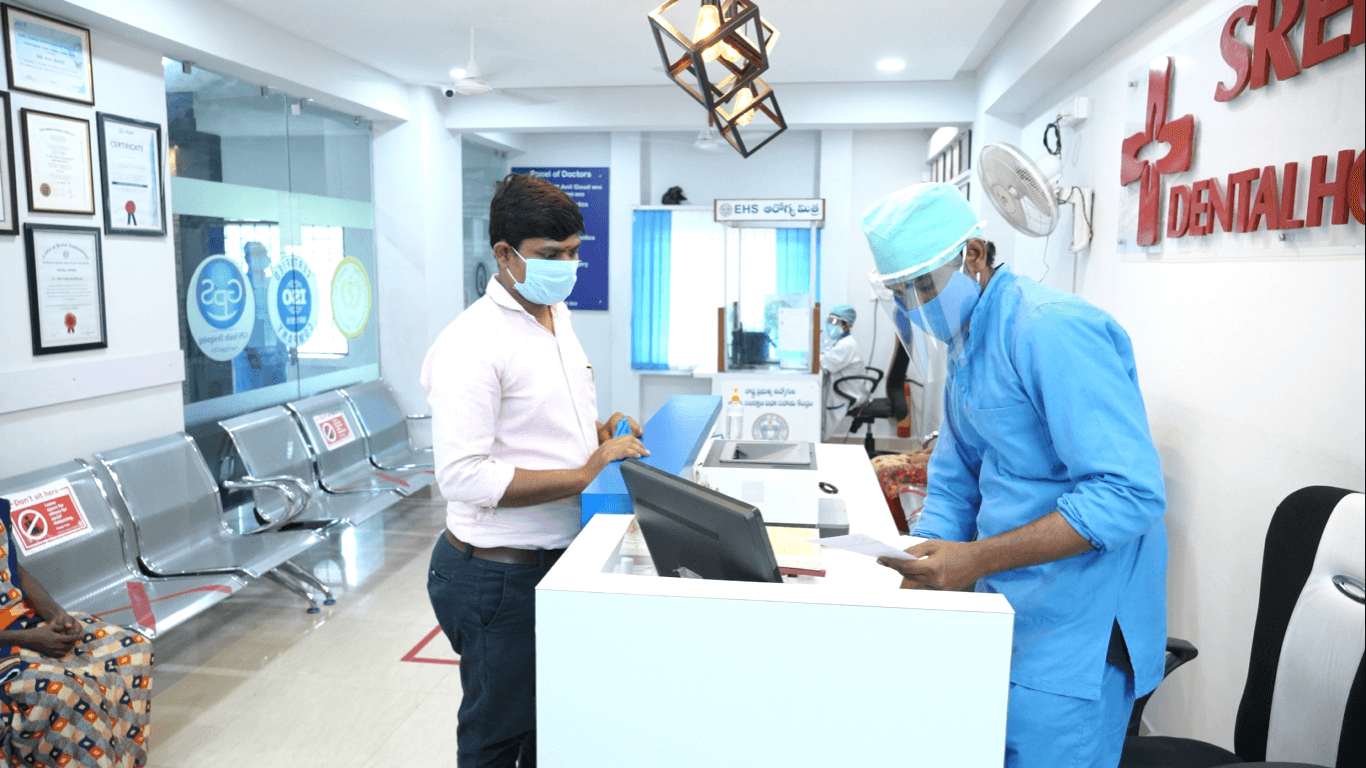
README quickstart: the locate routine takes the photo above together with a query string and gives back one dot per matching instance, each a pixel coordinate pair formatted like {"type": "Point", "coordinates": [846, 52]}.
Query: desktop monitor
{"type": "Point", "coordinates": [692, 530]}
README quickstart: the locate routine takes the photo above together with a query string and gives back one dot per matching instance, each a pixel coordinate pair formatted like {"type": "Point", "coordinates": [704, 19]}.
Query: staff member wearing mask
{"type": "Point", "coordinates": [839, 358]}
{"type": "Point", "coordinates": [1045, 485]}
{"type": "Point", "coordinates": [516, 441]}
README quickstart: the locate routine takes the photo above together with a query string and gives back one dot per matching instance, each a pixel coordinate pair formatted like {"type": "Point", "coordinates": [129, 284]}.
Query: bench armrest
{"type": "Point", "coordinates": [296, 492]}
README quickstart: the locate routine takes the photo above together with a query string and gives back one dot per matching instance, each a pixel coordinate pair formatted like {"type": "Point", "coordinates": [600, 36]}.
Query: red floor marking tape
{"type": "Point", "coordinates": [133, 601]}
{"type": "Point", "coordinates": [413, 654]}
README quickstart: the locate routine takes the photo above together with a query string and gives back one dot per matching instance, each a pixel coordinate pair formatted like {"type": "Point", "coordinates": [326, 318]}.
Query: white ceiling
{"type": "Point", "coordinates": [566, 43]}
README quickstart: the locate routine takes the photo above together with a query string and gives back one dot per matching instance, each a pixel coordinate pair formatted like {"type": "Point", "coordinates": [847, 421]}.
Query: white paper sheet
{"type": "Point", "coordinates": [864, 544]}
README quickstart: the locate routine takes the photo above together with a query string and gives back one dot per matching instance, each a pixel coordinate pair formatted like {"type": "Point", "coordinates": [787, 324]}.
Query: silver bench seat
{"type": "Point", "coordinates": [339, 454]}
{"type": "Point", "coordinates": [178, 523]}
{"type": "Point", "coordinates": [386, 428]}
{"type": "Point", "coordinates": [96, 571]}
{"type": "Point", "coordinates": [271, 447]}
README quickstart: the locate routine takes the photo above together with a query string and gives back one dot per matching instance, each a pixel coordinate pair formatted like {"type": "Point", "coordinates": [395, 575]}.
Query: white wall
{"type": "Point", "coordinates": [141, 313]}
{"type": "Point", "coordinates": [1251, 370]}
{"type": "Point", "coordinates": [418, 230]}
{"type": "Point", "coordinates": [788, 167]}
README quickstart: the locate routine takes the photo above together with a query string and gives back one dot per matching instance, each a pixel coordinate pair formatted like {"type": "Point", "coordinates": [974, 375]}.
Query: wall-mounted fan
{"type": "Point", "coordinates": [1028, 192]}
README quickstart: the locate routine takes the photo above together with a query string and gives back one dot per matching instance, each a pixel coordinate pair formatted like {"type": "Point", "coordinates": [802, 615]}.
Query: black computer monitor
{"type": "Point", "coordinates": [691, 529]}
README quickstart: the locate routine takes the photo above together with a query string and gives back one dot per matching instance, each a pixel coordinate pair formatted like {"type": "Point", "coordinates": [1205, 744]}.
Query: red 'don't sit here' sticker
{"type": "Point", "coordinates": [335, 428]}
{"type": "Point", "coordinates": [46, 516]}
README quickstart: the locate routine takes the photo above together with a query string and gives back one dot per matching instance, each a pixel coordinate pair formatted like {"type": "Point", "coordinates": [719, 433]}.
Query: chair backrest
{"type": "Point", "coordinates": [74, 566]}
{"type": "Point", "coordinates": [1304, 676]}
{"type": "Point", "coordinates": [379, 414]}
{"type": "Point", "coordinates": [333, 432]}
{"type": "Point", "coordinates": [270, 444]}
{"type": "Point", "coordinates": [168, 492]}
{"type": "Point", "coordinates": [896, 380]}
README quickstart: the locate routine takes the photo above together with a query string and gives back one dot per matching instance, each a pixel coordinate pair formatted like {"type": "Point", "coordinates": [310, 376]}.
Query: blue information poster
{"type": "Point", "coordinates": [589, 188]}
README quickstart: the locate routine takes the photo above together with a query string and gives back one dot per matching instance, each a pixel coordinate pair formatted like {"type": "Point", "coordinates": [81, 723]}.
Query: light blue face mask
{"type": "Point", "coordinates": [548, 281]}
{"type": "Point", "coordinates": [833, 330]}
{"type": "Point", "coordinates": [946, 314]}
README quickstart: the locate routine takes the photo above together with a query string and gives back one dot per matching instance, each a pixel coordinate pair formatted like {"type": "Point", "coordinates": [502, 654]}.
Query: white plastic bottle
{"type": "Point", "coordinates": [735, 416]}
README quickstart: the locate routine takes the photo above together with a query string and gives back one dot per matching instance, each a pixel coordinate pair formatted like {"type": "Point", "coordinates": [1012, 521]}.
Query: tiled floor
{"type": "Point", "coordinates": [258, 682]}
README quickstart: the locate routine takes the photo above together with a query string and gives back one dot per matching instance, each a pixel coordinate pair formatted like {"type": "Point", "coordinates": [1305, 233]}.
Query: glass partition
{"type": "Point", "coordinates": [275, 246]}
{"type": "Point", "coordinates": [482, 169]}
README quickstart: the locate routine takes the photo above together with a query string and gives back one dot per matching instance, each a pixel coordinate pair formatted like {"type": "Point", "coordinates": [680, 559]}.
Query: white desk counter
{"type": "Point", "coordinates": [661, 672]}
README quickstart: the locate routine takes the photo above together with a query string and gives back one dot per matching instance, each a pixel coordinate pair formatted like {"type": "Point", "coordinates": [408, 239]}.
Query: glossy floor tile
{"type": "Point", "coordinates": [256, 681]}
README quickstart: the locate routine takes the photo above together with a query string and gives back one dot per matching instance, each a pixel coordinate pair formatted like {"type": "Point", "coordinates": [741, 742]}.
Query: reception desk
{"type": "Point", "coordinates": [845, 670]}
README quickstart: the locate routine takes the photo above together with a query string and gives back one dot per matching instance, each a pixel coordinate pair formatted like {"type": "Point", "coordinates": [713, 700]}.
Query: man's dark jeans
{"type": "Point", "coordinates": [488, 611]}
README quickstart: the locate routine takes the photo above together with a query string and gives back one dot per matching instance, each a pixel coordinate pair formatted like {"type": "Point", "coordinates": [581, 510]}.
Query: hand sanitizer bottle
{"type": "Point", "coordinates": [735, 416]}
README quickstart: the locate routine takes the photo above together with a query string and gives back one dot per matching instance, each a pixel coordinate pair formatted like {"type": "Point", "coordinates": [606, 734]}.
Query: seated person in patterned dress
{"type": "Point", "coordinates": [74, 690]}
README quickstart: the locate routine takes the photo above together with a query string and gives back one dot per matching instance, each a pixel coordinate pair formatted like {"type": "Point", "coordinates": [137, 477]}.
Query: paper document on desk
{"type": "Point", "coordinates": [864, 544]}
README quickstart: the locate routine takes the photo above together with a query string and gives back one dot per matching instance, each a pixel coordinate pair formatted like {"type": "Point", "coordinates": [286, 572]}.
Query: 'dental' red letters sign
{"type": "Point", "coordinates": [1263, 196]}
{"type": "Point", "coordinates": [46, 516]}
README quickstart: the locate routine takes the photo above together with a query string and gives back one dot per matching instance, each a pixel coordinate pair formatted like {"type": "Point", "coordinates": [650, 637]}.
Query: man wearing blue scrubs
{"type": "Point", "coordinates": [1045, 485]}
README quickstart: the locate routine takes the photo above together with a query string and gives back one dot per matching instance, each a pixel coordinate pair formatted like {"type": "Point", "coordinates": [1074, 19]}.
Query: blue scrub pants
{"type": "Point", "coordinates": [1047, 730]}
{"type": "Point", "coordinates": [488, 611]}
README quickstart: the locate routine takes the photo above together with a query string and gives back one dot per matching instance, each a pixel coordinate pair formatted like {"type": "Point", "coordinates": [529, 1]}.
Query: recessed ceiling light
{"type": "Point", "coordinates": [891, 65]}
{"type": "Point", "coordinates": [458, 73]}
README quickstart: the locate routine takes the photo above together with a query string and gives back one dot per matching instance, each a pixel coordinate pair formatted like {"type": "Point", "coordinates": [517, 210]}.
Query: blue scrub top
{"type": "Point", "coordinates": [1042, 413]}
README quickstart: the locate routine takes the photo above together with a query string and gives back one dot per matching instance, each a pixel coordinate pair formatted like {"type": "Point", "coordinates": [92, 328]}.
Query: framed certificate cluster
{"type": "Point", "coordinates": [51, 58]}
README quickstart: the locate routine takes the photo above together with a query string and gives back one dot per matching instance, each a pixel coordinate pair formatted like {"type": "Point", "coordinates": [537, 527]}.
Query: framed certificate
{"type": "Point", "coordinates": [65, 288]}
{"type": "Point", "coordinates": [48, 57]}
{"type": "Point", "coordinates": [57, 163]}
{"type": "Point", "coordinates": [130, 165]}
{"type": "Point", "coordinates": [9, 202]}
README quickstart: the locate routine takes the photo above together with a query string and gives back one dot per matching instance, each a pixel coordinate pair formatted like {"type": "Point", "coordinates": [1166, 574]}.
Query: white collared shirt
{"type": "Point", "coordinates": [505, 393]}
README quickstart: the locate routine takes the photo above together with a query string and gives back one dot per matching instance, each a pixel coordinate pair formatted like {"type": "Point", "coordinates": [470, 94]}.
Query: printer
{"type": "Point", "coordinates": [777, 477]}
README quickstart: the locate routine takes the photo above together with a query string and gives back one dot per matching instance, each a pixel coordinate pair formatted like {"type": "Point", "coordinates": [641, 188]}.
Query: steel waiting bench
{"type": "Point", "coordinates": [94, 569]}
{"type": "Point", "coordinates": [275, 453]}
{"type": "Point", "coordinates": [178, 523]}
{"type": "Point", "coordinates": [339, 450]}
{"type": "Point", "coordinates": [385, 427]}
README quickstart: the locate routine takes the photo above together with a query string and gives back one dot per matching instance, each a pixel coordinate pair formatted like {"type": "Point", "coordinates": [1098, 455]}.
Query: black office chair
{"type": "Point", "coordinates": [893, 406]}
{"type": "Point", "coordinates": [1303, 696]}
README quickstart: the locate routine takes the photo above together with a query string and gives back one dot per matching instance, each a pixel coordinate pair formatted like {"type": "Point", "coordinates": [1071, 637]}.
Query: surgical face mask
{"type": "Point", "coordinates": [944, 316]}
{"type": "Point", "coordinates": [548, 281]}
{"type": "Point", "coordinates": [833, 330]}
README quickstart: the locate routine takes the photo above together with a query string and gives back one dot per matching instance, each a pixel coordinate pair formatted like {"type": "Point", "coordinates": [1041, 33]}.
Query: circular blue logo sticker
{"type": "Point", "coordinates": [221, 293]}
{"type": "Point", "coordinates": [294, 300]}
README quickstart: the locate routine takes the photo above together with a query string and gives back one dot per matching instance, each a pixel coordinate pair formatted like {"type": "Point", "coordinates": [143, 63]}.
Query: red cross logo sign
{"type": "Point", "coordinates": [1179, 133]}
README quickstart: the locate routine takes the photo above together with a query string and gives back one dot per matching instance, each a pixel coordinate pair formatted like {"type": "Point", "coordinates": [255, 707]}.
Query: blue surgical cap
{"type": "Point", "coordinates": [918, 229]}
{"type": "Point", "coordinates": [845, 313]}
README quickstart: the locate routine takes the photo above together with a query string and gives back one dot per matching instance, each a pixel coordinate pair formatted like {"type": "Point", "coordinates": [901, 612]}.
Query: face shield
{"type": "Point", "coordinates": [918, 236]}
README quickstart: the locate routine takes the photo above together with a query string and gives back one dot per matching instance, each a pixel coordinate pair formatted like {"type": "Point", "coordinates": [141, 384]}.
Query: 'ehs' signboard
{"type": "Point", "coordinates": [776, 210]}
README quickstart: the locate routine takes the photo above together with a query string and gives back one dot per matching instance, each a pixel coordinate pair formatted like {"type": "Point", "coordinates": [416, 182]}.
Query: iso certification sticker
{"type": "Point", "coordinates": [293, 301]}
{"type": "Point", "coordinates": [350, 298]}
{"type": "Point", "coordinates": [220, 308]}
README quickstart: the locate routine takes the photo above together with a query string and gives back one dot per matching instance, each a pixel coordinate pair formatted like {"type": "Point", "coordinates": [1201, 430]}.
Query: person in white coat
{"type": "Point", "coordinates": [839, 358]}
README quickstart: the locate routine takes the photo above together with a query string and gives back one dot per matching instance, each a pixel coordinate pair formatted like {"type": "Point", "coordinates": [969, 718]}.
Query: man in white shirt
{"type": "Point", "coordinates": [516, 441]}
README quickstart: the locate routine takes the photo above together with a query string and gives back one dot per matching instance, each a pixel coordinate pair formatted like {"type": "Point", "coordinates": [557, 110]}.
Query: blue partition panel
{"type": "Point", "coordinates": [674, 436]}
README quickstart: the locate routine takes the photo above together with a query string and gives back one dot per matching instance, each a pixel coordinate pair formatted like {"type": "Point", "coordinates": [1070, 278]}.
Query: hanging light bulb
{"type": "Point", "coordinates": [743, 100]}
{"type": "Point", "coordinates": [708, 21]}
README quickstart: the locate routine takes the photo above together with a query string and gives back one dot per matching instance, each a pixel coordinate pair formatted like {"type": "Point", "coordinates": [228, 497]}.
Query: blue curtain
{"type": "Point", "coordinates": [651, 235]}
{"type": "Point", "coordinates": [794, 261]}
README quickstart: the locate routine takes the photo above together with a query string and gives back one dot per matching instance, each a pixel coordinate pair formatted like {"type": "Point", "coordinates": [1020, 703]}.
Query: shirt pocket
{"type": "Point", "coordinates": [1019, 439]}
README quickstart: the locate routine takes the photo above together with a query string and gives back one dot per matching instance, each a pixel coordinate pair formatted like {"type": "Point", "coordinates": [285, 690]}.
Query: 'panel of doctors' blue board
{"type": "Point", "coordinates": [589, 188]}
